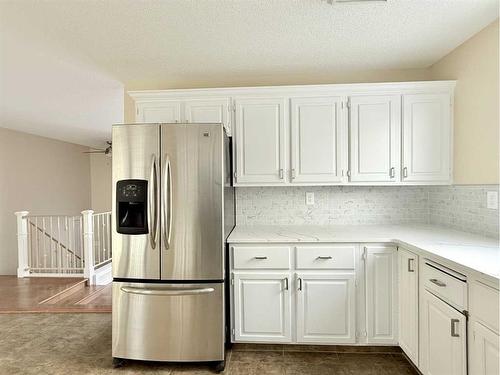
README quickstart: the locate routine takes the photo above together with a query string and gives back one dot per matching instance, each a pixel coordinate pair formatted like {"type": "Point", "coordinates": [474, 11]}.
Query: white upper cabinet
{"type": "Point", "coordinates": [427, 138]}
{"type": "Point", "coordinates": [160, 111]}
{"type": "Point", "coordinates": [317, 144]}
{"type": "Point", "coordinates": [208, 111]}
{"type": "Point", "coordinates": [391, 134]}
{"type": "Point", "coordinates": [260, 141]}
{"type": "Point", "coordinates": [375, 123]}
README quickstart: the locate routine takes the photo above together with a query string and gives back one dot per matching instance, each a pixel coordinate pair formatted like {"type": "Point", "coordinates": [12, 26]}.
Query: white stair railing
{"type": "Point", "coordinates": [65, 246]}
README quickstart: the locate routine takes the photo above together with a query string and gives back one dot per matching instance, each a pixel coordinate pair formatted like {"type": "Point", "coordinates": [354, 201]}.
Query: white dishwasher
{"type": "Point", "coordinates": [444, 321]}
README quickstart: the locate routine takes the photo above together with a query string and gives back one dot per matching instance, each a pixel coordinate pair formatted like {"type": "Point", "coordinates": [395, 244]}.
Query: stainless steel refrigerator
{"type": "Point", "coordinates": [173, 208]}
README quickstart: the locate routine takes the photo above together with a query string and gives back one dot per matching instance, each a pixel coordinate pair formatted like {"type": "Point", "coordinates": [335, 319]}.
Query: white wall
{"type": "Point", "coordinates": [42, 175]}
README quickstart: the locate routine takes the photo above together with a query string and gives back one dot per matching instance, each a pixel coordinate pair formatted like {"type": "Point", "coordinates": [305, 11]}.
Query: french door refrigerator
{"type": "Point", "coordinates": [173, 208]}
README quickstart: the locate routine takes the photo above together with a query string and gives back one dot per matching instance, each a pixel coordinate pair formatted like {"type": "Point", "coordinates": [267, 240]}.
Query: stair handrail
{"type": "Point", "coordinates": [53, 239]}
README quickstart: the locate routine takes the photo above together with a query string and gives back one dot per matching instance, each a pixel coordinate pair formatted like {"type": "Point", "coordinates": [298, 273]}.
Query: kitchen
{"type": "Point", "coordinates": [292, 187]}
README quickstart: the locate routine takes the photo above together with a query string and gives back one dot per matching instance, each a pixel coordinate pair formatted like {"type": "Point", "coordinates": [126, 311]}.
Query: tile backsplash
{"type": "Point", "coordinates": [463, 207]}
{"type": "Point", "coordinates": [460, 207]}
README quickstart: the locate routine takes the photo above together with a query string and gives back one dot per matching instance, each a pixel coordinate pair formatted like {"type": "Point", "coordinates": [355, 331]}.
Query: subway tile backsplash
{"type": "Point", "coordinates": [463, 207]}
{"type": "Point", "coordinates": [459, 207]}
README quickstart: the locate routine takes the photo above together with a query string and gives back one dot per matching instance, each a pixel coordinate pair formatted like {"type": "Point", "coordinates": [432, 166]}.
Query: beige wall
{"type": "Point", "coordinates": [299, 78]}
{"type": "Point", "coordinates": [475, 65]}
{"type": "Point", "coordinates": [100, 177]}
{"type": "Point", "coordinates": [41, 175]}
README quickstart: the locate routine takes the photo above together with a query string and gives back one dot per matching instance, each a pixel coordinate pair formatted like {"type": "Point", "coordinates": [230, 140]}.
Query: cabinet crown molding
{"type": "Point", "coordinates": [290, 90]}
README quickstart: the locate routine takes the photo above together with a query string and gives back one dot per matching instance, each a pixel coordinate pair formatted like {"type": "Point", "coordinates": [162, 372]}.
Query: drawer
{"type": "Point", "coordinates": [446, 283]}
{"type": "Point", "coordinates": [261, 257]}
{"type": "Point", "coordinates": [484, 304]}
{"type": "Point", "coordinates": [325, 257]}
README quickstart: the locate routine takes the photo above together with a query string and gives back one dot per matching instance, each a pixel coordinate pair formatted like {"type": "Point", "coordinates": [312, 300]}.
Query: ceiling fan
{"type": "Point", "coordinates": [106, 151]}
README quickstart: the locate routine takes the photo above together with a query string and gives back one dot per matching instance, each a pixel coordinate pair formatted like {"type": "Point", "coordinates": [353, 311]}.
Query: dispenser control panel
{"type": "Point", "coordinates": [131, 207]}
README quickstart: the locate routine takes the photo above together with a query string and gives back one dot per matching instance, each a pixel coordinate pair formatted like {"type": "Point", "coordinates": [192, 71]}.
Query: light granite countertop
{"type": "Point", "coordinates": [476, 253]}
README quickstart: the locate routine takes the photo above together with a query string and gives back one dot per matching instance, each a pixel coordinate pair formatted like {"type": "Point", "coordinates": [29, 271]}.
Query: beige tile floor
{"type": "Point", "coordinates": [73, 344]}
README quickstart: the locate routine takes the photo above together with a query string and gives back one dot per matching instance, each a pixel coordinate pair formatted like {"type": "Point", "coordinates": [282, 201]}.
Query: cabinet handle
{"type": "Point", "coordinates": [286, 283]}
{"type": "Point", "coordinates": [293, 173]}
{"type": "Point", "coordinates": [392, 172]}
{"type": "Point", "coordinates": [260, 258]}
{"type": "Point", "coordinates": [348, 173]}
{"type": "Point", "coordinates": [324, 257]}
{"type": "Point", "coordinates": [437, 282]}
{"type": "Point", "coordinates": [299, 280]}
{"type": "Point", "coordinates": [281, 173]}
{"type": "Point", "coordinates": [454, 323]}
{"type": "Point", "coordinates": [405, 172]}
{"type": "Point", "coordinates": [410, 264]}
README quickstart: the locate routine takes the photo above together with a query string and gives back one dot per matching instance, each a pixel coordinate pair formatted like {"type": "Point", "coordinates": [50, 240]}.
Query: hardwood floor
{"type": "Point", "coordinates": [42, 294]}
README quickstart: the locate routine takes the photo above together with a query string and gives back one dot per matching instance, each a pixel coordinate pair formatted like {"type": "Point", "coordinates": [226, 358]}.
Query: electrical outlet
{"type": "Point", "coordinates": [309, 199]}
{"type": "Point", "coordinates": [492, 200]}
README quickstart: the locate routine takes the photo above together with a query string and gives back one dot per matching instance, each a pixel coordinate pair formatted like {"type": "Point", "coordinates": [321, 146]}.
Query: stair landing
{"type": "Point", "coordinates": [42, 294]}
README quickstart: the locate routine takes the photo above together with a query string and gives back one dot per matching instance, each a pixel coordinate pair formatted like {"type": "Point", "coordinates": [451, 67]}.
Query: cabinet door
{"type": "Point", "coordinates": [426, 138]}
{"type": "Point", "coordinates": [208, 111]}
{"type": "Point", "coordinates": [325, 308]}
{"type": "Point", "coordinates": [260, 141]}
{"type": "Point", "coordinates": [408, 303]}
{"type": "Point", "coordinates": [381, 297]}
{"type": "Point", "coordinates": [443, 346]}
{"type": "Point", "coordinates": [262, 307]}
{"type": "Point", "coordinates": [485, 351]}
{"type": "Point", "coordinates": [167, 111]}
{"type": "Point", "coordinates": [316, 131]}
{"type": "Point", "coordinates": [375, 130]}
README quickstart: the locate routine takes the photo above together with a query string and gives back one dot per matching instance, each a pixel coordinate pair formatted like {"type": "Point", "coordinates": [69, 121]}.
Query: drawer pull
{"type": "Point", "coordinates": [437, 282]}
{"type": "Point", "coordinates": [260, 258]}
{"type": "Point", "coordinates": [454, 323]}
{"type": "Point", "coordinates": [324, 257]}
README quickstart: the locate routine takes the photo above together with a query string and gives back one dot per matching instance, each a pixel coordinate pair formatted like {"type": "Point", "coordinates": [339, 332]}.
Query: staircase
{"type": "Point", "coordinates": [65, 246]}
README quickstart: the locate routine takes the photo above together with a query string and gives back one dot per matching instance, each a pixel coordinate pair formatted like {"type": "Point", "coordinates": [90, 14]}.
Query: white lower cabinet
{"type": "Point", "coordinates": [325, 308]}
{"type": "Point", "coordinates": [485, 350]}
{"type": "Point", "coordinates": [381, 294]}
{"type": "Point", "coordinates": [408, 303]}
{"type": "Point", "coordinates": [443, 341]}
{"type": "Point", "coordinates": [262, 307]}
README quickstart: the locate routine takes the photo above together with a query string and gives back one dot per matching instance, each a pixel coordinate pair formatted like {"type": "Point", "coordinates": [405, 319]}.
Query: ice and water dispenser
{"type": "Point", "coordinates": [131, 206]}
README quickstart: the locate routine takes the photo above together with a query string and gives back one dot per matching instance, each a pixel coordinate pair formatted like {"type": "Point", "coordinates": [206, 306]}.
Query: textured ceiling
{"type": "Point", "coordinates": [155, 43]}
{"type": "Point", "coordinates": [64, 63]}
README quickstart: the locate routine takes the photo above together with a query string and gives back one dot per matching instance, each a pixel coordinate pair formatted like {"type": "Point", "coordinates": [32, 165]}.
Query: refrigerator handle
{"type": "Point", "coordinates": [167, 202]}
{"type": "Point", "coordinates": [153, 202]}
{"type": "Point", "coordinates": [166, 291]}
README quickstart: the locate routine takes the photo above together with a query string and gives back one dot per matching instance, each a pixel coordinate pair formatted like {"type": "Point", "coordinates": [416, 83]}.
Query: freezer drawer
{"type": "Point", "coordinates": [168, 322]}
